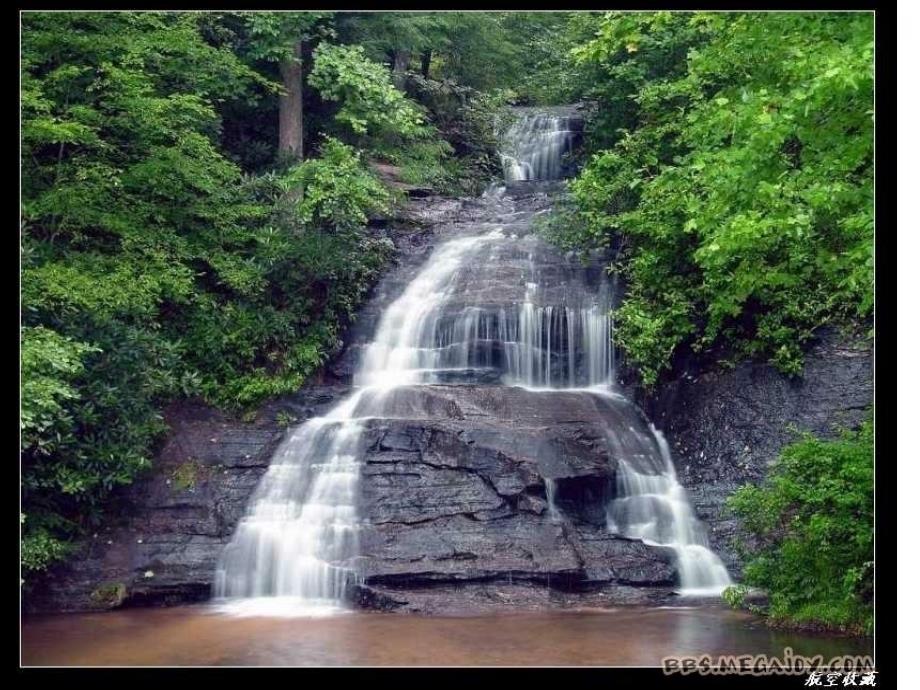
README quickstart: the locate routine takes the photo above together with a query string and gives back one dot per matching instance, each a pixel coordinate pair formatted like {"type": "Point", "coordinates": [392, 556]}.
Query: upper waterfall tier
{"type": "Point", "coordinates": [496, 305]}
{"type": "Point", "coordinates": [534, 146]}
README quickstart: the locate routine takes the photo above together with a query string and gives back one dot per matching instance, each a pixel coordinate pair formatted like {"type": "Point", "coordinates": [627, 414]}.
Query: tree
{"type": "Point", "coordinates": [278, 37]}
{"type": "Point", "coordinates": [394, 37]}
{"type": "Point", "coordinates": [480, 50]}
{"type": "Point", "coordinates": [152, 268]}
{"type": "Point", "coordinates": [290, 107]}
{"type": "Point", "coordinates": [124, 193]}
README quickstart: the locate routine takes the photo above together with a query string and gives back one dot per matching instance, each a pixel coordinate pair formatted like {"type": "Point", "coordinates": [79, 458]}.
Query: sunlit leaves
{"type": "Point", "coordinates": [338, 189]}
{"type": "Point", "coordinates": [152, 267]}
{"type": "Point", "coordinates": [746, 170]}
{"type": "Point", "coordinates": [49, 364]}
{"type": "Point", "coordinates": [369, 103]}
{"type": "Point", "coordinates": [271, 34]}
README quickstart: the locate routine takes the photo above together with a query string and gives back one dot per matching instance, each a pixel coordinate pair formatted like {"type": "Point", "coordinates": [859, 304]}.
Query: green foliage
{"type": "Point", "coordinates": [109, 594]}
{"type": "Point", "coordinates": [152, 267]}
{"type": "Point", "coordinates": [734, 595]}
{"type": "Point", "coordinates": [49, 364]}
{"type": "Point", "coordinates": [38, 549]}
{"type": "Point", "coordinates": [810, 532]}
{"type": "Point", "coordinates": [382, 34]}
{"type": "Point", "coordinates": [543, 70]}
{"type": "Point", "coordinates": [369, 103]}
{"type": "Point", "coordinates": [465, 118]}
{"type": "Point", "coordinates": [303, 274]}
{"type": "Point", "coordinates": [339, 190]}
{"type": "Point", "coordinates": [463, 67]}
{"type": "Point", "coordinates": [186, 475]}
{"type": "Point", "coordinates": [379, 118]}
{"type": "Point", "coordinates": [479, 51]}
{"type": "Point", "coordinates": [524, 54]}
{"type": "Point", "coordinates": [284, 418]}
{"type": "Point", "coordinates": [470, 48]}
{"type": "Point", "coordinates": [270, 35]}
{"type": "Point", "coordinates": [734, 157]}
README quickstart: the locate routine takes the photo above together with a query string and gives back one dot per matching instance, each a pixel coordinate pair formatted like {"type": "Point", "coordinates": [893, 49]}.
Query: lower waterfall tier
{"type": "Point", "coordinates": [454, 484]}
{"type": "Point", "coordinates": [513, 488]}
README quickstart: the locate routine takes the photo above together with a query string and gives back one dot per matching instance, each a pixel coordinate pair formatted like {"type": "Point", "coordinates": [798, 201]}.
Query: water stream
{"type": "Point", "coordinates": [651, 505]}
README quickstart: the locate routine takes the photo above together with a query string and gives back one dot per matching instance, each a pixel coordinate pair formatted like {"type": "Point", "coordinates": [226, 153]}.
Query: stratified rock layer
{"type": "Point", "coordinates": [726, 426]}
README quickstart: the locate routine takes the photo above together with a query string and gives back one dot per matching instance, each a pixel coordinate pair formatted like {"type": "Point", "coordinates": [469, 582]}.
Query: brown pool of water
{"type": "Point", "coordinates": [199, 636]}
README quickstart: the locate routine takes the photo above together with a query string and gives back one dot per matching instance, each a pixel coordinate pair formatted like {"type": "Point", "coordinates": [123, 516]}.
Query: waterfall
{"type": "Point", "coordinates": [554, 513]}
{"type": "Point", "coordinates": [489, 307]}
{"type": "Point", "coordinates": [295, 551]}
{"type": "Point", "coordinates": [290, 554]}
{"type": "Point", "coordinates": [651, 505]}
{"type": "Point", "coordinates": [535, 144]}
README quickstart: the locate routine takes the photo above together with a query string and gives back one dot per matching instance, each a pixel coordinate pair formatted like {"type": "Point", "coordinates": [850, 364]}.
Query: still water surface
{"type": "Point", "coordinates": [197, 636]}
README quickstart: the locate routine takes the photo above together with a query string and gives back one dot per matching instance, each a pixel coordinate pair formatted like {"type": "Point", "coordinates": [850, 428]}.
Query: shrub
{"type": "Point", "coordinates": [810, 534]}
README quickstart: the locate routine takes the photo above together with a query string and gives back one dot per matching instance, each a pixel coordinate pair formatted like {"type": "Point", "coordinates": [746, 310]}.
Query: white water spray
{"type": "Point", "coordinates": [535, 144]}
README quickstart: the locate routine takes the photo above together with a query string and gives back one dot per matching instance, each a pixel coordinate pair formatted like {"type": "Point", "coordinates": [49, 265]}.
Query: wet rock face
{"type": "Point", "coordinates": [172, 523]}
{"type": "Point", "coordinates": [565, 300]}
{"type": "Point", "coordinates": [502, 596]}
{"type": "Point", "coordinates": [464, 499]}
{"type": "Point", "coordinates": [454, 489]}
{"type": "Point", "coordinates": [456, 509]}
{"type": "Point", "coordinates": [726, 427]}
{"type": "Point", "coordinates": [457, 478]}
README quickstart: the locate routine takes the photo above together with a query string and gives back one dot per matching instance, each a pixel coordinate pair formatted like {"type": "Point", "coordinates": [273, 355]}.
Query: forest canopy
{"type": "Point", "coordinates": [732, 160]}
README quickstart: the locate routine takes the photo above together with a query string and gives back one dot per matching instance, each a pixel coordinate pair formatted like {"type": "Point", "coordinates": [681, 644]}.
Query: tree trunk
{"type": "Point", "coordinates": [290, 111]}
{"type": "Point", "coordinates": [400, 65]}
{"type": "Point", "coordinates": [426, 63]}
{"type": "Point", "coordinates": [290, 114]}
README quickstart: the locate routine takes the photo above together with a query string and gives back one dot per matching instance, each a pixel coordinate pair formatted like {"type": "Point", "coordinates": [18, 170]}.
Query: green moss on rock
{"type": "Point", "coordinates": [110, 594]}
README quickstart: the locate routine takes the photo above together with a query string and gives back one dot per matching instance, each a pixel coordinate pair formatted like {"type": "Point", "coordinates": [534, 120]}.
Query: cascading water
{"type": "Point", "coordinates": [535, 144]}
{"type": "Point", "coordinates": [295, 551]}
{"type": "Point", "coordinates": [291, 553]}
{"type": "Point", "coordinates": [493, 305]}
{"type": "Point", "coordinates": [651, 505]}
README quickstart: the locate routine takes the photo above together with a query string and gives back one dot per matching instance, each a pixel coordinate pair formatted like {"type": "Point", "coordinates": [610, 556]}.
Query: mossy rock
{"type": "Point", "coordinates": [285, 418]}
{"type": "Point", "coordinates": [187, 475]}
{"type": "Point", "coordinates": [110, 594]}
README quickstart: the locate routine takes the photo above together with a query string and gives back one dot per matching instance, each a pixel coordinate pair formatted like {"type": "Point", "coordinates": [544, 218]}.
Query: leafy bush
{"type": "Point", "coordinates": [378, 117]}
{"type": "Point", "coordinates": [466, 119]}
{"type": "Point", "coordinates": [339, 190]}
{"type": "Point", "coordinates": [49, 364]}
{"type": "Point", "coordinates": [369, 103]}
{"type": "Point", "coordinates": [810, 532]}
